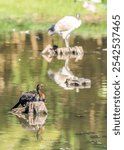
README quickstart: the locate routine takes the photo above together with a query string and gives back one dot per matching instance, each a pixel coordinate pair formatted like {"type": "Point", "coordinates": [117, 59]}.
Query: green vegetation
{"type": "Point", "coordinates": [39, 15]}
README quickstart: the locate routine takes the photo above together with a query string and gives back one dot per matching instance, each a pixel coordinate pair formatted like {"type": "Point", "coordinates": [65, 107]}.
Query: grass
{"type": "Point", "coordinates": [40, 14]}
{"type": "Point", "coordinates": [20, 8]}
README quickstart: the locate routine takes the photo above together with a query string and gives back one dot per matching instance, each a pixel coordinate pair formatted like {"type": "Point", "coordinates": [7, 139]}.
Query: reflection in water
{"type": "Point", "coordinates": [31, 122]}
{"type": "Point", "coordinates": [66, 79]}
{"type": "Point", "coordinates": [76, 120]}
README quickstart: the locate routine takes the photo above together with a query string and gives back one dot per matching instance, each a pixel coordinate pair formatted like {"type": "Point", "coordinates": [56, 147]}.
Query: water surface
{"type": "Point", "coordinates": [76, 120]}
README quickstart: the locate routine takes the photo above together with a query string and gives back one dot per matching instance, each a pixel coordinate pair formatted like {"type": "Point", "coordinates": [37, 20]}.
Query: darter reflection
{"type": "Point", "coordinates": [32, 122]}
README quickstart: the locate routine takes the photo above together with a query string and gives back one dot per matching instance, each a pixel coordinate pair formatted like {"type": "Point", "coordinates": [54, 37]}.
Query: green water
{"type": "Point", "coordinates": [75, 120]}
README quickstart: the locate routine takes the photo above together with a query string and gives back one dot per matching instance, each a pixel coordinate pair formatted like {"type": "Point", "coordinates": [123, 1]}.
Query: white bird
{"type": "Point", "coordinates": [90, 6]}
{"type": "Point", "coordinates": [65, 26]}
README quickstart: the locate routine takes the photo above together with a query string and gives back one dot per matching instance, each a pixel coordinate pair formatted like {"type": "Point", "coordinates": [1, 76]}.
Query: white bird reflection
{"type": "Point", "coordinates": [64, 77]}
{"type": "Point", "coordinates": [67, 80]}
